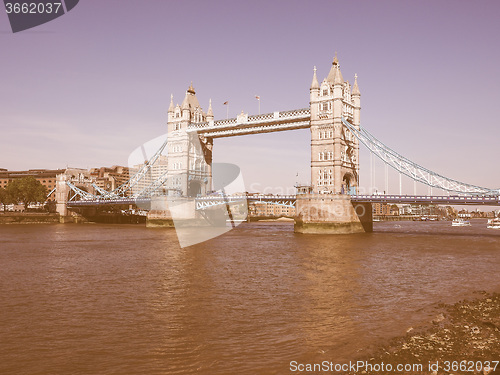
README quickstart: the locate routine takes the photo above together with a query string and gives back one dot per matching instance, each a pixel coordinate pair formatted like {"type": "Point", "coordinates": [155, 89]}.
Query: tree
{"type": "Point", "coordinates": [5, 198]}
{"type": "Point", "coordinates": [26, 190]}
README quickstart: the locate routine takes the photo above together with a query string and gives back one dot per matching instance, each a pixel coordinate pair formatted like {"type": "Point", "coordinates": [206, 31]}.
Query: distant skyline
{"type": "Point", "coordinates": [88, 88]}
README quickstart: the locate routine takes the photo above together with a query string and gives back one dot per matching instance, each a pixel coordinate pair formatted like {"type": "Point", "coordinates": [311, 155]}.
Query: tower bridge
{"type": "Point", "coordinates": [329, 205]}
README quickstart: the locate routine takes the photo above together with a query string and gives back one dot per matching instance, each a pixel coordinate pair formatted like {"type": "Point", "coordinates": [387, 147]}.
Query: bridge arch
{"type": "Point", "coordinates": [348, 181]}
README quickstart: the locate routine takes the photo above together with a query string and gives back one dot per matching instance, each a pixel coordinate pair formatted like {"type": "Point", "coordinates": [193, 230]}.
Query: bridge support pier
{"type": "Point", "coordinates": [164, 209]}
{"type": "Point", "coordinates": [332, 214]}
{"type": "Point", "coordinates": [159, 215]}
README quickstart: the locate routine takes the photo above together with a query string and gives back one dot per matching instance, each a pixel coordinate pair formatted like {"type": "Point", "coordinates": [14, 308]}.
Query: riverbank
{"type": "Point", "coordinates": [54, 218]}
{"type": "Point", "coordinates": [28, 218]}
{"type": "Point", "coordinates": [467, 331]}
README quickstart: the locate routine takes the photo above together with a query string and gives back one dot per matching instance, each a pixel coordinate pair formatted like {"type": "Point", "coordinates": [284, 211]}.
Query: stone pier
{"type": "Point", "coordinates": [165, 209]}
{"type": "Point", "coordinates": [331, 214]}
{"type": "Point", "coordinates": [159, 215]}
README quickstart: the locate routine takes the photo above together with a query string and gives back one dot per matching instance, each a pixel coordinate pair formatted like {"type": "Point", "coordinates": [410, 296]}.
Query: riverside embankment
{"type": "Point", "coordinates": [28, 218]}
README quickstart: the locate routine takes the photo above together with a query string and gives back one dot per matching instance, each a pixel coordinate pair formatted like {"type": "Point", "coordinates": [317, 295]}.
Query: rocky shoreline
{"type": "Point", "coordinates": [460, 340]}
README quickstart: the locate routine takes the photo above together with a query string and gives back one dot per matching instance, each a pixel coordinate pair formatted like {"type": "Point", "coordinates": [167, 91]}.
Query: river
{"type": "Point", "coordinates": [125, 299]}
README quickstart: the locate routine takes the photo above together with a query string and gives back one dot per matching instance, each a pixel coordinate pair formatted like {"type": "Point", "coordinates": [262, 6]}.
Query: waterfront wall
{"type": "Point", "coordinates": [28, 218]}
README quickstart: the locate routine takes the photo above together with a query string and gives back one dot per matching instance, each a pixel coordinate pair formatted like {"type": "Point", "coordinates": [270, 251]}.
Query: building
{"type": "Point", "coordinates": [109, 178]}
{"type": "Point", "coordinates": [269, 209]}
{"type": "Point", "coordinates": [158, 170]}
{"type": "Point", "coordinates": [429, 210]}
{"type": "Point", "coordinates": [381, 209]}
{"type": "Point", "coordinates": [334, 149]}
{"type": "Point", "coordinates": [47, 178]}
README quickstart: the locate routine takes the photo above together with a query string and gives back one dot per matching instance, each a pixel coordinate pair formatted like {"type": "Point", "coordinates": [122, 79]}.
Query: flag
{"type": "Point", "coordinates": [257, 97]}
{"type": "Point", "coordinates": [225, 103]}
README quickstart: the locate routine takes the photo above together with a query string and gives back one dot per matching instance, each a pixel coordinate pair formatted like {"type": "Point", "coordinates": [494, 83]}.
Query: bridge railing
{"type": "Point", "coordinates": [303, 112]}
{"type": "Point", "coordinates": [255, 118]}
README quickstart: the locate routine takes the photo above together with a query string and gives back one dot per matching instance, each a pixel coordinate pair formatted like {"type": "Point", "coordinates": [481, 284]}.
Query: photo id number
{"type": "Point", "coordinates": [32, 8]}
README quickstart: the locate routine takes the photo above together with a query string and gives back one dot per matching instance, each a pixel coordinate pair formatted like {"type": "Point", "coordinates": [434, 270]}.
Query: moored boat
{"type": "Point", "coordinates": [460, 223]}
{"type": "Point", "coordinates": [494, 223]}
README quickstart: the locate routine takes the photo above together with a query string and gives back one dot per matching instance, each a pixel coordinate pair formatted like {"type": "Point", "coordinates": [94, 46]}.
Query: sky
{"type": "Point", "coordinates": [88, 88]}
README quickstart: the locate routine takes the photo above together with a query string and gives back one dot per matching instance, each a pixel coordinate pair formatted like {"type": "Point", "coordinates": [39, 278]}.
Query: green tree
{"type": "Point", "coordinates": [26, 190]}
{"type": "Point", "coordinates": [5, 198]}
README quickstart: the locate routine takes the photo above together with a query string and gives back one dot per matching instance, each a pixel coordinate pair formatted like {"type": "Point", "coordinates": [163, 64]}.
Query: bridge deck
{"type": "Point", "coordinates": [107, 202]}
{"type": "Point", "coordinates": [243, 125]}
{"type": "Point", "coordinates": [424, 199]}
{"type": "Point", "coordinates": [289, 200]}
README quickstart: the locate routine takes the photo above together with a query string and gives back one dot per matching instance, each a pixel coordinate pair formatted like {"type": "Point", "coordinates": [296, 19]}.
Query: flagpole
{"type": "Point", "coordinates": [227, 111]}
{"type": "Point", "coordinates": [258, 99]}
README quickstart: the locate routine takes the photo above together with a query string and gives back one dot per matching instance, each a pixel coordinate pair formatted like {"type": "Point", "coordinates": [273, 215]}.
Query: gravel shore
{"type": "Point", "coordinates": [459, 340]}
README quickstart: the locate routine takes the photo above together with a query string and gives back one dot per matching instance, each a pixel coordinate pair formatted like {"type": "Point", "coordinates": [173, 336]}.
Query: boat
{"type": "Point", "coordinates": [460, 223]}
{"type": "Point", "coordinates": [494, 223]}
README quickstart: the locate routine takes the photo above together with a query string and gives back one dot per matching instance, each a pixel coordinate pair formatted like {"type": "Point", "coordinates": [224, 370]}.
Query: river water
{"type": "Point", "coordinates": [118, 299]}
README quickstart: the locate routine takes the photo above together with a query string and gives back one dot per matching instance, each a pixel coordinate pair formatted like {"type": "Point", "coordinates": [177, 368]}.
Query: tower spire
{"type": "Point", "coordinates": [355, 88]}
{"type": "Point", "coordinates": [171, 107]}
{"type": "Point", "coordinates": [210, 111]}
{"type": "Point", "coordinates": [338, 80]}
{"type": "Point", "coordinates": [185, 102]}
{"type": "Point", "coordinates": [333, 69]}
{"type": "Point", "coordinates": [315, 83]}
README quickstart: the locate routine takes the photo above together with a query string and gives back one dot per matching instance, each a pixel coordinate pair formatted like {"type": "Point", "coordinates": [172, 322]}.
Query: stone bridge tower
{"type": "Point", "coordinates": [334, 160]}
{"type": "Point", "coordinates": [334, 149]}
{"type": "Point", "coordinates": [189, 155]}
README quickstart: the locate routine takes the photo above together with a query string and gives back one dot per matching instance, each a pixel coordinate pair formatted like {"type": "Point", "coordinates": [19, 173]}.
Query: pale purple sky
{"type": "Point", "coordinates": [87, 88]}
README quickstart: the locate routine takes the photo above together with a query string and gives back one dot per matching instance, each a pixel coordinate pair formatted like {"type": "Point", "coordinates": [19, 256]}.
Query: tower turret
{"type": "Point", "coordinates": [210, 112]}
{"type": "Point", "coordinates": [356, 102]}
{"type": "Point", "coordinates": [356, 115]}
{"type": "Point", "coordinates": [314, 83]}
{"type": "Point", "coordinates": [338, 80]}
{"type": "Point", "coordinates": [314, 94]}
{"type": "Point", "coordinates": [355, 88]}
{"type": "Point", "coordinates": [171, 108]}
{"type": "Point", "coordinates": [185, 108]}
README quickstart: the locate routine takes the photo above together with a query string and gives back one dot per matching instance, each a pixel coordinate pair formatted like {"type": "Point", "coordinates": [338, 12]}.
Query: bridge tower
{"type": "Point", "coordinates": [334, 150]}
{"type": "Point", "coordinates": [328, 208]}
{"type": "Point", "coordinates": [189, 155]}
